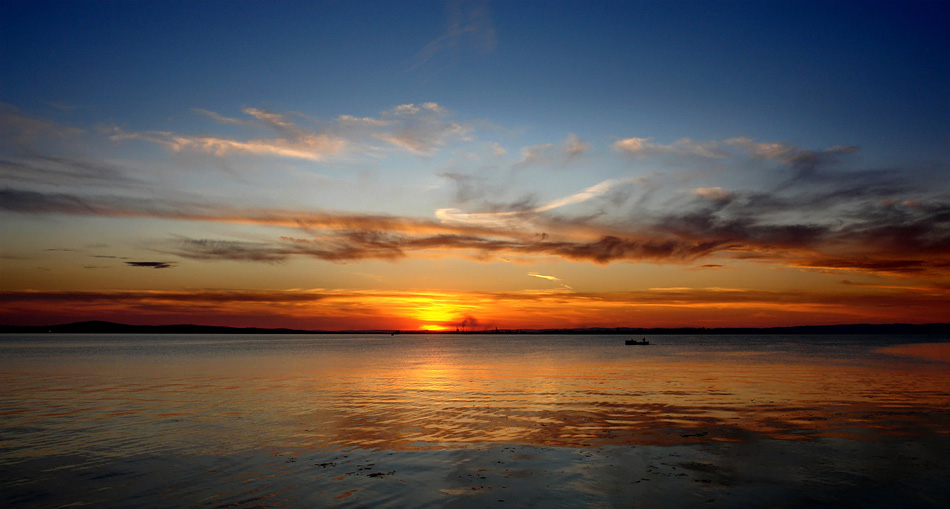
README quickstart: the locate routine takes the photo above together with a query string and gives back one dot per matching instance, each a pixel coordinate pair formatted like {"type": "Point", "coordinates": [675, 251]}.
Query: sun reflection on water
{"type": "Point", "coordinates": [423, 392]}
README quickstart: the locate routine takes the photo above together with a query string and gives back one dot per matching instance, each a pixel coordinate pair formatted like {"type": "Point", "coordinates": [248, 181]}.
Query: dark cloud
{"type": "Point", "coordinates": [33, 168]}
{"type": "Point", "coordinates": [186, 297]}
{"type": "Point", "coordinates": [868, 221]}
{"type": "Point", "coordinates": [205, 249]}
{"type": "Point", "coordinates": [33, 202]}
{"type": "Point", "coordinates": [380, 245]}
{"type": "Point", "coordinates": [151, 265]}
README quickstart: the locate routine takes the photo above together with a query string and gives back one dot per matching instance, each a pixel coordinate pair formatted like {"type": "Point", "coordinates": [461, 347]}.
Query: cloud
{"type": "Point", "coordinates": [64, 171]}
{"type": "Point", "coordinates": [894, 237]}
{"type": "Point", "coordinates": [419, 129]}
{"type": "Point", "coordinates": [685, 146]}
{"type": "Point", "coordinates": [815, 212]}
{"type": "Point", "coordinates": [206, 249]}
{"type": "Point", "coordinates": [24, 129]}
{"type": "Point", "coordinates": [802, 160]}
{"type": "Point", "coordinates": [351, 121]}
{"type": "Point", "coordinates": [498, 218]}
{"type": "Point", "coordinates": [277, 121]}
{"type": "Point", "coordinates": [574, 146]}
{"type": "Point", "coordinates": [560, 153]}
{"type": "Point", "coordinates": [542, 276]}
{"type": "Point", "coordinates": [910, 237]}
{"type": "Point", "coordinates": [468, 187]}
{"type": "Point", "coordinates": [358, 245]}
{"type": "Point", "coordinates": [151, 265]}
{"type": "Point", "coordinates": [413, 109]}
{"type": "Point", "coordinates": [551, 278]}
{"type": "Point", "coordinates": [223, 119]}
{"type": "Point", "coordinates": [468, 23]}
{"type": "Point", "coordinates": [534, 154]}
{"type": "Point", "coordinates": [714, 193]}
{"type": "Point", "coordinates": [302, 145]}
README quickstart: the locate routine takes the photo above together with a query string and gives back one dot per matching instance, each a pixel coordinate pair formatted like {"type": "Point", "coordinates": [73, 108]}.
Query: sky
{"type": "Point", "coordinates": [469, 165]}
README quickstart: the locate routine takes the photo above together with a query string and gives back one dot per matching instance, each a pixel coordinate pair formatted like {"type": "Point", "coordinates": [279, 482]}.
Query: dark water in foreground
{"type": "Point", "coordinates": [445, 420]}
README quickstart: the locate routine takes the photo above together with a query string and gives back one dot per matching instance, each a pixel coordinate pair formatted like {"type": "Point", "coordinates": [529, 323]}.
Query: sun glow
{"type": "Point", "coordinates": [433, 327]}
{"type": "Point", "coordinates": [436, 316]}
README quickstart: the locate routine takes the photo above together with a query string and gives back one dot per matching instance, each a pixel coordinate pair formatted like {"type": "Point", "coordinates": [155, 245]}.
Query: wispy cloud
{"type": "Point", "coordinates": [506, 217]}
{"type": "Point", "coordinates": [714, 193]}
{"type": "Point", "coordinates": [574, 146]}
{"type": "Point", "coordinates": [417, 128]}
{"type": "Point", "coordinates": [906, 237]}
{"type": "Point", "coordinates": [542, 276]}
{"type": "Point", "coordinates": [38, 169]}
{"type": "Point", "coordinates": [685, 146]}
{"type": "Point", "coordinates": [556, 153]}
{"type": "Point", "coordinates": [815, 211]}
{"type": "Point", "coordinates": [551, 278]}
{"type": "Point", "coordinates": [303, 145]}
{"type": "Point", "coordinates": [24, 129]}
{"type": "Point", "coordinates": [467, 23]}
{"type": "Point", "coordinates": [803, 160]}
{"type": "Point", "coordinates": [223, 119]}
{"type": "Point", "coordinates": [208, 249]}
{"type": "Point", "coordinates": [420, 129]}
{"type": "Point", "coordinates": [469, 187]}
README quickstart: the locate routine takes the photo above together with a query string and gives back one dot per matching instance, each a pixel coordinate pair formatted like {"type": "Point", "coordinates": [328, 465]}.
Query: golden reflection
{"type": "Point", "coordinates": [441, 404]}
{"type": "Point", "coordinates": [418, 393]}
{"type": "Point", "coordinates": [939, 352]}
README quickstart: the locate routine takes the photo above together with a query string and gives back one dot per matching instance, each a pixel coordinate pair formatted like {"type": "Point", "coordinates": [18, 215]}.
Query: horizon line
{"type": "Point", "coordinates": [90, 326]}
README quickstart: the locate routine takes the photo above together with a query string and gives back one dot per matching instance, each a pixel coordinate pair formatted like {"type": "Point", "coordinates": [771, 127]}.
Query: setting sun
{"type": "Point", "coordinates": [437, 317]}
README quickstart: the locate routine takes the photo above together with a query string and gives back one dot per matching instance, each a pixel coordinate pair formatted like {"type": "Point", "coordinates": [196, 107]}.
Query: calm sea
{"type": "Point", "coordinates": [472, 420]}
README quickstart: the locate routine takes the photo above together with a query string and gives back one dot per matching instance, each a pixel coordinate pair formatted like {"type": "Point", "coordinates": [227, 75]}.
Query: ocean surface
{"type": "Point", "coordinates": [473, 421]}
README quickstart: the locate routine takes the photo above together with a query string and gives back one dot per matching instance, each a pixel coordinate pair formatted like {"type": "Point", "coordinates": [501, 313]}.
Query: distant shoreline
{"type": "Point", "coordinates": [100, 327]}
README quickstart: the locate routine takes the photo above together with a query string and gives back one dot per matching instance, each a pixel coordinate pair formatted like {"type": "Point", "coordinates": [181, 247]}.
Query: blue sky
{"type": "Point", "coordinates": [863, 73]}
{"type": "Point", "coordinates": [795, 144]}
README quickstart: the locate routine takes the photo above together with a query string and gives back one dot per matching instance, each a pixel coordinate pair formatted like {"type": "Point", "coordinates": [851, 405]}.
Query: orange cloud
{"type": "Point", "coordinates": [892, 239]}
{"type": "Point", "coordinates": [410, 310]}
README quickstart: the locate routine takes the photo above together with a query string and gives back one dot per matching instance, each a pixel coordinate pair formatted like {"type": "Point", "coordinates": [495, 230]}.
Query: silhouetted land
{"type": "Point", "coordinates": [99, 327]}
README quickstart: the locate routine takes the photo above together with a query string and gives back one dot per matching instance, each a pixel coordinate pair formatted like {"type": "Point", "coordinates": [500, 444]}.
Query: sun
{"type": "Point", "coordinates": [434, 327]}
{"type": "Point", "coordinates": [435, 317]}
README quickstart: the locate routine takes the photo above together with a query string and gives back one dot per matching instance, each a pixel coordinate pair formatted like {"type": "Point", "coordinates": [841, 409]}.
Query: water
{"type": "Point", "coordinates": [415, 420]}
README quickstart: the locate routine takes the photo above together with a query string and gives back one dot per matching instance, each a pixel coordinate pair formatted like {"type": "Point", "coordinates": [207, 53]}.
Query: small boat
{"type": "Point", "coordinates": [635, 342]}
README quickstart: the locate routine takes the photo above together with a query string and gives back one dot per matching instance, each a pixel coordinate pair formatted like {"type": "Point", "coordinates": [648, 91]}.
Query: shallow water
{"type": "Point", "coordinates": [204, 420]}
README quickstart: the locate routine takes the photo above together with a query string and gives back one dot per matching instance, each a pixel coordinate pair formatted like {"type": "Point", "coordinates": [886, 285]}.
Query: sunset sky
{"type": "Point", "coordinates": [428, 165]}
